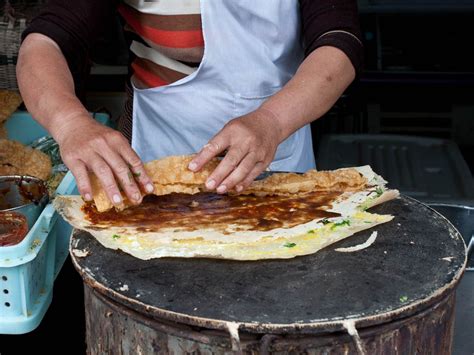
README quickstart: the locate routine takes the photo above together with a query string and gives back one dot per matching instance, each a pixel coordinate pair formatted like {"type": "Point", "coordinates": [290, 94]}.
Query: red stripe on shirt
{"type": "Point", "coordinates": [146, 77]}
{"type": "Point", "coordinates": [175, 39]}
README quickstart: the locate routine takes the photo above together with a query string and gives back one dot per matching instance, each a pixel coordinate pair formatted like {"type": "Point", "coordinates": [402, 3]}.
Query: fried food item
{"type": "Point", "coordinates": [9, 102]}
{"type": "Point", "coordinates": [291, 183]}
{"type": "Point", "coordinates": [170, 174]}
{"type": "Point", "coordinates": [3, 131]}
{"type": "Point", "coordinates": [17, 159]}
{"type": "Point", "coordinates": [174, 170]}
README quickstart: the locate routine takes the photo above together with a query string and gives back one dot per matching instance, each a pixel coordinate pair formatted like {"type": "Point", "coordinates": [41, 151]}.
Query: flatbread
{"type": "Point", "coordinates": [18, 159]}
{"type": "Point", "coordinates": [240, 227]}
{"type": "Point", "coordinates": [9, 102]}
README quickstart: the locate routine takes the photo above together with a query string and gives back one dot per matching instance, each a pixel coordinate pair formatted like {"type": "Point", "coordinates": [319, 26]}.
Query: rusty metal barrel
{"type": "Point", "coordinates": [395, 297]}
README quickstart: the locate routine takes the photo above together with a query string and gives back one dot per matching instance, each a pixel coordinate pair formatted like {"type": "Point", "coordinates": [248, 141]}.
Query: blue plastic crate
{"type": "Point", "coordinates": [28, 269]}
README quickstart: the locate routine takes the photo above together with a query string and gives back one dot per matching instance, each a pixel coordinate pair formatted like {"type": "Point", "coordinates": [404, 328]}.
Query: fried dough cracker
{"type": "Point", "coordinates": [174, 170]}
{"type": "Point", "coordinates": [291, 183]}
{"type": "Point", "coordinates": [3, 131]}
{"type": "Point", "coordinates": [170, 174]}
{"type": "Point", "coordinates": [17, 159]}
{"type": "Point", "coordinates": [9, 102]}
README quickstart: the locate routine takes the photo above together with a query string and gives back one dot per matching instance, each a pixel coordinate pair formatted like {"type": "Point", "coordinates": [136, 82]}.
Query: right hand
{"type": "Point", "coordinates": [88, 146]}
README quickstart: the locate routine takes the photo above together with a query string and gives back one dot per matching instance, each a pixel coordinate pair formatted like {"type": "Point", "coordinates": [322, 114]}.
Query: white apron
{"type": "Point", "coordinates": [252, 48]}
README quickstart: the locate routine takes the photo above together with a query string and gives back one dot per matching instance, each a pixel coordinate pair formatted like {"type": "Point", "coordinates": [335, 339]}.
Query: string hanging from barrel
{"type": "Point", "coordinates": [352, 331]}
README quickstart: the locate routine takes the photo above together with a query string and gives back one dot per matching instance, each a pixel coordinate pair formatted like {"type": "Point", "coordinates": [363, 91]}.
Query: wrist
{"type": "Point", "coordinates": [61, 126]}
{"type": "Point", "coordinates": [274, 121]}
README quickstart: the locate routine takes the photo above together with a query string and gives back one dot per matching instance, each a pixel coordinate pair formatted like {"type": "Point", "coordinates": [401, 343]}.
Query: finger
{"type": "Point", "coordinates": [123, 174]}
{"type": "Point", "coordinates": [107, 180]}
{"type": "Point", "coordinates": [215, 146]}
{"type": "Point", "coordinates": [83, 183]}
{"type": "Point", "coordinates": [241, 172]}
{"type": "Point", "coordinates": [138, 171]}
{"type": "Point", "coordinates": [231, 160]}
{"type": "Point", "coordinates": [256, 171]}
{"type": "Point", "coordinates": [135, 164]}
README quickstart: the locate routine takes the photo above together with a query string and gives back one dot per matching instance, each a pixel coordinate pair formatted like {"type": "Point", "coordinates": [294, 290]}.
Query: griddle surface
{"type": "Point", "coordinates": [406, 261]}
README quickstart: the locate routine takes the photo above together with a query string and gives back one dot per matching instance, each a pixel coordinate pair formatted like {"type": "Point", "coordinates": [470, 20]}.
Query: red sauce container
{"type": "Point", "coordinates": [13, 228]}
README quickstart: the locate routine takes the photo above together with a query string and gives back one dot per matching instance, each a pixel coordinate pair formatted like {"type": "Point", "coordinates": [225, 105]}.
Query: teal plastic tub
{"type": "Point", "coordinates": [28, 269]}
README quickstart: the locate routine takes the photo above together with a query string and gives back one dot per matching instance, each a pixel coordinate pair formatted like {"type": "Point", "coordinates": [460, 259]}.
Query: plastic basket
{"type": "Point", "coordinates": [28, 269]}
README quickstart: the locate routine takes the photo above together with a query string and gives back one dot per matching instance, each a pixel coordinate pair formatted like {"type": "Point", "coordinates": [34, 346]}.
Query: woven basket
{"type": "Point", "coordinates": [14, 17]}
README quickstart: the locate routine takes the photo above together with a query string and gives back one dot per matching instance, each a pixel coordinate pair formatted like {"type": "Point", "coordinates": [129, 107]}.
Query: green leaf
{"type": "Point", "coordinates": [311, 231]}
{"type": "Point", "coordinates": [115, 236]}
{"type": "Point", "coordinates": [403, 299]}
{"type": "Point", "coordinates": [325, 221]}
{"type": "Point", "coordinates": [289, 245]}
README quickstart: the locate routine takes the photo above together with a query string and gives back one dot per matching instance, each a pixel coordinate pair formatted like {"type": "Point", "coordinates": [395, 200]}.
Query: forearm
{"type": "Point", "coordinates": [319, 82]}
{"type": "Point", "coordinates": [86, 146]}
{"type": "Point", "coordinates": [46, 84]}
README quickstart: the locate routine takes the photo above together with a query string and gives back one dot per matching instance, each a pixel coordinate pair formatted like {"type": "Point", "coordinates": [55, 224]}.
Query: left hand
{"type": "Point", "coordinates": [251, 142]}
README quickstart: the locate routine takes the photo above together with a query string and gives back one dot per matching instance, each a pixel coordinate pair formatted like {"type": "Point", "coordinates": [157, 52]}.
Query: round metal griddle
{"type": "Point", "coordinates": [416, 260]}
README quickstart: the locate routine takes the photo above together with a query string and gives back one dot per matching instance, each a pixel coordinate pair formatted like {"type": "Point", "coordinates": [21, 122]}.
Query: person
{"type": "Point", "coordinates": [242, 78]}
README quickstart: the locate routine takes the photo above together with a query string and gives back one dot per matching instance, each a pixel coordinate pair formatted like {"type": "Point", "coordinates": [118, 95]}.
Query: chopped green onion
{"type": "Point", "coordinates": [342, 223]}
{"type": "Point", "coordinates": [115, 236]}
{"type": "Point", "coordinates": [325, 221]}
{"type": "Point", "coordinates": [403, 299]}
{"type": "Point", "coordinates": [379, 191]}
{"type": "Point", "coordinates": [365, 206]}
{"type": "Point", "coordinates": [289, 245]}
{"type": "Point", "coordinates": [311, 231]}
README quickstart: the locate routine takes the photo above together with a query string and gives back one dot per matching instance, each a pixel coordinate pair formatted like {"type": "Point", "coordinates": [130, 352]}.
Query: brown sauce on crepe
{"type": "Point", "coordinates": [209, 210]}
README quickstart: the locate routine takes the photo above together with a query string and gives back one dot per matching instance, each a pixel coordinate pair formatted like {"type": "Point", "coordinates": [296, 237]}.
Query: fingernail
{"type": "Point", "coordinates": [149, 188]}
{"type": "Point", "coordinates": [239, 188]}
{"type": "Point", "coordinates": [221, 189]}
{"type": "Point", "coordinates": [136, 196]}
{"type": "Point", "coordinates": [116, 198]}
{"type": "Point", "coordinates": [87, 197]}
{"type": "Point", "coordinates": [210, 184]}
{"type": "Point", "coordinates": [192, 166]}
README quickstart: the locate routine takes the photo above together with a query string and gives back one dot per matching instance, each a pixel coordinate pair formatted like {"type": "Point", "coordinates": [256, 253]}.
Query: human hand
{"type": "Point", "coordinates": [251, 142]}
{"type": "Point", "coordinates": [87, 145]}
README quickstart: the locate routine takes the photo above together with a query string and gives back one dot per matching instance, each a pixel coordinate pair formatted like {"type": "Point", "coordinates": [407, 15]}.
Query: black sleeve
{"type": "Point", "coordinates": [74, 25]}
{"type": "Point", "coordinates": [332, 23]}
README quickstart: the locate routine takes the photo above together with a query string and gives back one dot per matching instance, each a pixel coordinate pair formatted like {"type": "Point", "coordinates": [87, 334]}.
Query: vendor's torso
{"type": "Point", "coordinates": [252, 48]}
